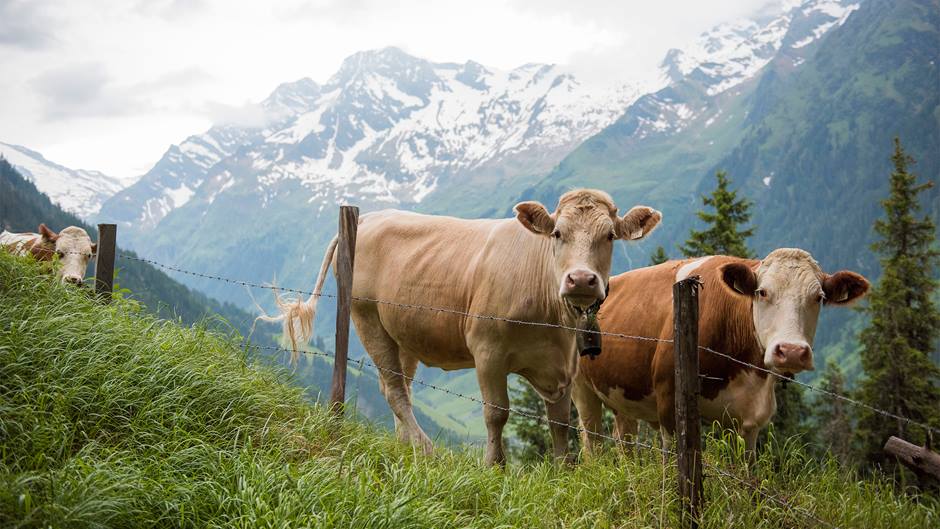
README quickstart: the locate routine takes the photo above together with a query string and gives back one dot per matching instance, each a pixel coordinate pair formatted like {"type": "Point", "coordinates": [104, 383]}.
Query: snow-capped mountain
{"type": "Point", "coordinates": [725, 57]}
{"type": "Point", "coordinates": [386, 128]}
{"type": "Point", "coordinates": [76, 190]}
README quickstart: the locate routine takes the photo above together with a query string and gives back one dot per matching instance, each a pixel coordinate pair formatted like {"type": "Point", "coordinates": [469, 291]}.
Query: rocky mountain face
{"type": "Point", "coordinates": [386, 129]}
{"type": "Point", "coordinates": [76, 190]}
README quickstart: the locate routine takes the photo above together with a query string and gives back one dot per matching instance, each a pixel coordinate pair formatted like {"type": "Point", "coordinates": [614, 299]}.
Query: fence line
{"type": "Point", "coordinates": [457, 312]}
{"type": "Point", "coordinates": [345, 360]}
{"type": "Point", "coordinates": [543, 419]}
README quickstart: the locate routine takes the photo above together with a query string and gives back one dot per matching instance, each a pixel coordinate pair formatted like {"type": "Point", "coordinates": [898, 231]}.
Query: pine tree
{"type": "Point", "coordinates": [904, 323]}
{"type": "Point", "coordinates": [723, 236]}
{"type": "Point", "coordinates": [659, 256]}
{"type": "Point", "coordinates": [532, 436]}
{"type": "Point", "coordinates": [832, 419]}
{"type": "Point", "coordinates": [793, 413]}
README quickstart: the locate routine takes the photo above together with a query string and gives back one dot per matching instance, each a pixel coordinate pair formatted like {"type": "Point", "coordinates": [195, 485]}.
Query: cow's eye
{"type": "Point", "coordinates": [610, 236]}
{"type": "Point", "coordinates": [761, 293]}
{"type": "Point", "coordinates": [556, 234]}
{"type": "Point", "coordinates": [60, 253]}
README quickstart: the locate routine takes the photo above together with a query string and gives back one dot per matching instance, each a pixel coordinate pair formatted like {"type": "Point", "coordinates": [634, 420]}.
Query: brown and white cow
{"type": "Point", "coordinates": [538, 267]}
{"type": "Point", "coordinates": [760, 312]}
{"type": "Point", "coordinates": [72, 246]}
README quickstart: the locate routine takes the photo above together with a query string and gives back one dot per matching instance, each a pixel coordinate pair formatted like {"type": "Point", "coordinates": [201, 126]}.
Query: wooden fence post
{"type": "Point", "coordinates": [922, 461]}
{"type": "Point", "coordinates": [104, 261]}
{"type": "Point", "coordinates": [688, 425]}
{"type": "Point", "coordinates": [345, 259]}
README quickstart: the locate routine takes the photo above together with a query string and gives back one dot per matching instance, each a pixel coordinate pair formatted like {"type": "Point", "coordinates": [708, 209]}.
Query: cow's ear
{"type": "Point", "coordinates": [842, 288]}
{"type": "Point", "coordinates": [94, 248]}
{"type": "Point", "coordinates": [637, 223]}
{"type": "Point", "coordinates": [47, 234]}
{"type": "Point", "coordinates": [535, 217]}
{"type": "Point", "coordinates": [739, 277]}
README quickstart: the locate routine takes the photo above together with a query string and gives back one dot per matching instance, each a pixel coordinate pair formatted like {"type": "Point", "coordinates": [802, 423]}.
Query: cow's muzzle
{"type": "Point", "coordinates": [72, 280]}
{"type": "Point", "coordinates": [792, 357]}
{"type": "Point", "coordinates": [582, 288]}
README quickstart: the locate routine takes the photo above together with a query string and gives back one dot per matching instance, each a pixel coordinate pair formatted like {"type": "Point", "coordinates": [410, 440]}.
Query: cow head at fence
{"type": "Point", "coordinates": [582, 231]}
{"type": "Point", "coordinates": [787, 289]}
{"type": "Point", "coordinates": [74, 249]}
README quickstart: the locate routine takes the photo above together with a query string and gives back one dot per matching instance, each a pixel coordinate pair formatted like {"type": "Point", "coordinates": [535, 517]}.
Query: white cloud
{"type": "Point", "coordinates": [117, 82]}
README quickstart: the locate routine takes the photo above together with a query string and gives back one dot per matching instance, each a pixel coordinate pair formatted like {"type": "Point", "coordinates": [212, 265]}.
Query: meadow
{"type": "Point", "coordinates": [110, 417]}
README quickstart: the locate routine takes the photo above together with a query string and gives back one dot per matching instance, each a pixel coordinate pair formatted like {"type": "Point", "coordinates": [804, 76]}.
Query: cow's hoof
{"type": "Point", "coordinates": [419, 440]}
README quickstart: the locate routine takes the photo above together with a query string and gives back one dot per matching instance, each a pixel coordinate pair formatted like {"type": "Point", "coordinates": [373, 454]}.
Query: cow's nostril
{"type": "Point", "coordinates": [592, 280]}
{"type": "Point", "coordinates": [569, 281]}
{"type": "Point", "coordinates": [778, 351]}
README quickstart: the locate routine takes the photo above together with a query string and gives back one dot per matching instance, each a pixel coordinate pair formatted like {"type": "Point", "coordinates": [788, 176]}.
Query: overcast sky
{"type": "Point", "coordinates": [110, 84]}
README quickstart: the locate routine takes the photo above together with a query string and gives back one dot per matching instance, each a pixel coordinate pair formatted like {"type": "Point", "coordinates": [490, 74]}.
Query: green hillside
{"type": "Point", "coordinates": [110, 417]}
{"type": "Point", "coordinates": [23, 207]}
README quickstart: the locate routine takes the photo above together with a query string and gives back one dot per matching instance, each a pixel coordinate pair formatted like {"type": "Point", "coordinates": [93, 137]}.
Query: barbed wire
{"type": "Point", "coordinates": [542, 419]}
{"type": "Point", "coordinates": [457, 312]}
{"type": "Point", "coordinates": [928, 428]}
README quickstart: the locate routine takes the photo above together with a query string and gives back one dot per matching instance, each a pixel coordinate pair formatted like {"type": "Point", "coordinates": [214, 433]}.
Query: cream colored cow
{"type": "Point", "coordinates": [72, 246]}
{"type": "Point", "coordinates": [538, 267]}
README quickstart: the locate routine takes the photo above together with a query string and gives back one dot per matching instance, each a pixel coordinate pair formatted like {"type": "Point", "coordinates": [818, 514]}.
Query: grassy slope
{"type": "Point", "coordinates": [111, 418]}
{"type": "Point", "coordinates": [23, 207]}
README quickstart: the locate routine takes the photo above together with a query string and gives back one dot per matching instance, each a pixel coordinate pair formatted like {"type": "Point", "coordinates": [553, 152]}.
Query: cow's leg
{"type": "Point", "coordinates": [749, 433]}
{"type": "Point", "coordinates": [386, 356]}
{"type": "Point", "coordinates": [495, 410]}
{"type": "Point", "coordinates": [590, 413]}
{"type": "Point", "coordinates": [409, 367]}
{"type": "Point", "coordinates": [625, 430]}
{"type": "Point", "coordinates": [559, 413]}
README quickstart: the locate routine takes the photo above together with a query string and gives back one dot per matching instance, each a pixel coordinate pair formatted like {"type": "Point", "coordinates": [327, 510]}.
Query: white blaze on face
{"type": "Point", "coordinates": [786, 308]}
{"type": "Point", "coordinates": [74, 249]}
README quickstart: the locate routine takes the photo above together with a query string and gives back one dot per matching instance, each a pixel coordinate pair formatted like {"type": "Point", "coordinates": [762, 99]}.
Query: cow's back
{"type": "Point", "coordinates": [460, 265]}
{"type": "Point", "coordinates": [18, 243]}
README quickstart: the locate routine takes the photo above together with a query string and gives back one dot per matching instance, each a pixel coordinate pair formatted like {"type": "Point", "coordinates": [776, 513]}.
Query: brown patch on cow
{"type": "Point", "coordinates": [739, 277]}
{"type": "Point", "coordinates": [844, 287]}
{"type": "Point", "coordinates": [47, 234]}
{"type": "Point", "coordinates": [41, 249]}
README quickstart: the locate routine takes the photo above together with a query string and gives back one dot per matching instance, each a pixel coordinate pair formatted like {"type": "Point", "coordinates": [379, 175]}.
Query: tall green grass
{"type": "Point", "coordinates": [111, 418]}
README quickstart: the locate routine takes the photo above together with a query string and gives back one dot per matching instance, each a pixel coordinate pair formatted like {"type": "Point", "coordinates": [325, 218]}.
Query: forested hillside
{"type": "Point", "coordinates": [23, 207]}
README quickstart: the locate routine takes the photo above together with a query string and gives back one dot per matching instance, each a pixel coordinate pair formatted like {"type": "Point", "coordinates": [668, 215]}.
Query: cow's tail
{"type": "Point", "coordinates": [297, 315]}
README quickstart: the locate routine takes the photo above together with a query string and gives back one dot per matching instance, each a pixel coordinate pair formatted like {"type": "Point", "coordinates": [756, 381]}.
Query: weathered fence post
{"type": "Point", "coordinates": [920, 459]}
{"type": "Point", "coordinates": [688, 429]}
{"type": "Point", "coordinates": [345, 258]}
{"type": "Point", "coordinates": [104, 261]}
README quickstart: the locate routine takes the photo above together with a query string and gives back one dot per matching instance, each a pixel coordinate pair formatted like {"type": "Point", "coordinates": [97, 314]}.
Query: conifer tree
{"type": "Point", "coordinates": [533, 440]}
{"type": "Point", "coordinates": [723, 235]}
{"type": "Point", "coordinates": [904, 326]}
{"type": "Point", "coordinates": [792, 416]}
{"type": "Point", "coordinates": [832, 419]}
{"type": "Point", "coordinates": [659, 256]}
